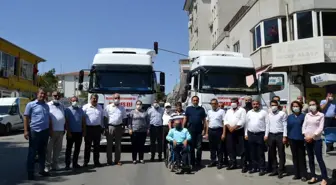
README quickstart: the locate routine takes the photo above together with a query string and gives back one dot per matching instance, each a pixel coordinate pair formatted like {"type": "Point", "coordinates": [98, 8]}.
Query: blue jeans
{"type": "Point", "coordinates": [315, 148]}
{"type": "Point", "coordinates": [37, 143]}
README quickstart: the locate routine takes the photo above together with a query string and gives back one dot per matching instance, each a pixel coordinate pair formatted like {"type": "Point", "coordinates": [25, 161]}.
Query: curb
{"type": "Point", "coordinates": [317, 167]}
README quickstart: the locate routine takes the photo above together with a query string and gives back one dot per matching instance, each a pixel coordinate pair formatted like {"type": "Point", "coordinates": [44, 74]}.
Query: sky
{"type": "Point", "coordinates": [68, 33]}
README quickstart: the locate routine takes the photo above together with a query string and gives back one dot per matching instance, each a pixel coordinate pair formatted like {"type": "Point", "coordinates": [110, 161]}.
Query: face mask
{"type": "Point", "coordinates": [178, 126]}
{"type": "Point", "coordinates": [312, 108]}
{"type": "Point", "coordinates": [55, 101]}
{"type": "Point", "coordinates": [274, 108]}
{"type": "Point", "coordinates": [234, 105]}
{"type": "Point", "coordinates": [156, 105]}
{"type": "Point", "coordinates": [138, 107]}
{"type": "Point", "coordinates": [116, 102]}
{"type": "Point", "coordinates": [296, 109]}
{"type": "Point", "coordinates": [195, 105]}
{"type": "Point", "coordinates": [74, 104]}
{"type": "Point", "coordinates": [331, 98]}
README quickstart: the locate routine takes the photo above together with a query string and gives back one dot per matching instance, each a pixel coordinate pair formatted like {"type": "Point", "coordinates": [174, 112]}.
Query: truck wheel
{"type": "Point", "coordinates": [8, 129]}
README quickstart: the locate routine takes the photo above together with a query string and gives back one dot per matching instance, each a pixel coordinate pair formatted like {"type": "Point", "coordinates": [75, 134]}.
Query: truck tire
{"type": "Point", "coordinates": [8, 129]}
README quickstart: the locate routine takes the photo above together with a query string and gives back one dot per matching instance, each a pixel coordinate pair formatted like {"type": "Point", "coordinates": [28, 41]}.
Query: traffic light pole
{"type": "Point", "coordinates": [173, 52]}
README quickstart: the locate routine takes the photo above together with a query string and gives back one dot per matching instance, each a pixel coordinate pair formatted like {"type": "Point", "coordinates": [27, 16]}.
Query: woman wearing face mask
{"type": "Point", "coordinates": [296, 140]}
{"type": "Point", "coordinates": [312, 129]}
{"type": "Point", "coordinates": [138, 129]}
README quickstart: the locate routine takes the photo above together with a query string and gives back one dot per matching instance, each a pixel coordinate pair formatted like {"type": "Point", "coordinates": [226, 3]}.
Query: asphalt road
{"type": "Point", "coordinates": [13, 152]}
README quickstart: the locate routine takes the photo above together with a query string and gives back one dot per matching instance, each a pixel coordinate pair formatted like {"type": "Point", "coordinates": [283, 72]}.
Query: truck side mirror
{"type": "Point", "coordinates": [80, 87]}
{"type": "Point", "coordinates": [271, 82]}
{"type": "Point", "coordinates": [81, 76]}
{"type": "Point", "coordinates": [189, 77]}
{"type": "Point", "coordinates": [162, 89]}
{"type": "Point", "coordinates": [162, 78]}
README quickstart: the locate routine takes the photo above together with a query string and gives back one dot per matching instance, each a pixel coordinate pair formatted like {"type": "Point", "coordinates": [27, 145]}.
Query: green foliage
{"type": "Point", "coordinates": [48, 80]}
{"type": "Point", "coordinates": [160, 95]}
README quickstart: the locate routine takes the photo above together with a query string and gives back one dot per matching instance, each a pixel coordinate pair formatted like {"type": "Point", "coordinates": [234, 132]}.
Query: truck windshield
{"type": "Point", "coordinates": [4, 109]}
{"type": "Point", "coordinates": [228, 80]}
{"type": "Point", "coordinates": [115, 80]}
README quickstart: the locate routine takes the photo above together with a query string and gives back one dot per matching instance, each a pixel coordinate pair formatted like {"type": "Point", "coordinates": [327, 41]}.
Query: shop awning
{"type": "Point", "coordinates": [323, 79]}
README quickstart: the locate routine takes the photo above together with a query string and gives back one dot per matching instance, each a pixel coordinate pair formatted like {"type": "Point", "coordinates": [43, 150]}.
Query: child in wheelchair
{"type": "Point", "coordinates": [179, 137]}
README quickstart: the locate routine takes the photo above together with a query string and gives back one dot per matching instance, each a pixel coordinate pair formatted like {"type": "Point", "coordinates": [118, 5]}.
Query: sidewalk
{"type": "Point", "coordinates": [329, 159]}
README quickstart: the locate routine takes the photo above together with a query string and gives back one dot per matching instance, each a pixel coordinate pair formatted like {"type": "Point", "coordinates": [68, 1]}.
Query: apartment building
{"type": "Point", "coordinates": [68, 83]}
{"type": "Point", "coordinates": [293, 36]}
{"type": "Point", "coordinates": [199, 16]}
{"type": "Point", "coordinates": [18, 71]}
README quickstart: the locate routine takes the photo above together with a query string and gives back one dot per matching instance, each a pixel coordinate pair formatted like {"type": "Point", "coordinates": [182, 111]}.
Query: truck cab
{"type": "Point", "coordinates": [126, 71]}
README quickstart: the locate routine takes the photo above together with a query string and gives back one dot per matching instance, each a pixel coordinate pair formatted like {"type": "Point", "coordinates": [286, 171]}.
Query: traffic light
{"type": "Point", "coordinates": [156, 47]}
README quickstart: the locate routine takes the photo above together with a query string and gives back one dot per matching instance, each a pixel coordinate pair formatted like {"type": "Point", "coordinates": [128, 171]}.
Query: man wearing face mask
{"type": "Point", "coordinates": [117, 118]}
{"type": "Point", "coordinates": [195, 121]}
{"type": "Point", "coordinates": [276, 140]}
{"type": "Point", "coordinates": [95, 119]}
{"type": "Point", "coordinates": [179, 137]}
{"type": "Point", "coordinates": [216, 133]}
{"type": "Point", "coordinates": [328, 107]}
{"type": "Point", "coordinates": [234, 122]}
{"type": "Point", "coordinates": [76, 127]}
{"type": "Point", "coordinates": [246, 159]}
{"type": "Point", "coordinates": [166, 118]}
{"type": "Point", "coordinates": [155, 114]}
{"type": "Point", "coordinates": [282, 108]}
{"type": "Point", "coordinates": [56, 140]}
{"type": "Point", "coordinates": [257, 122]}
{"type": "Point", "coordinates": [248, 103]}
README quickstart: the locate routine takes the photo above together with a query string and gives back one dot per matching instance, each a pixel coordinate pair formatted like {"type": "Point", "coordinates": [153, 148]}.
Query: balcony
{"type": "Point", "coordinates": [262, 57]}
{"type": "Point", "coordinates": [304, 51]}
{"type": "Point", "coordinates": [189, 24]}
{"type": "Point", "coordinates": [211, 22]}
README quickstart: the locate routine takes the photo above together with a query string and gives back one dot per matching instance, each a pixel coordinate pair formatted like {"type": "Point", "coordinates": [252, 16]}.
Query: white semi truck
{"type": "Point", "coordinates": [127, 71]}
{"type": "Point", "coordinates": [224, 75]}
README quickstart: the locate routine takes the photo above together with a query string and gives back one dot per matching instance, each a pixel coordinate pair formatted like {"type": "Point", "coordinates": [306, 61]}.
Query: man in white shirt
{"type": "Point", "coordinates": [216, 133]}
{"type": "Point", "coordinates": [117, 118]}
{"type": "Point", "coordinates": [166, 119]}
{"type": "Point", "coordinates": [95, 118]}
{"type": "Point", "coordinates": [277, 137]}
{"type": "Point", "coordinates": [257, 122]}
{"type": "Point", "coordinates": [56, 140]}
{"type": "Point", "coordinates": [234, 121]}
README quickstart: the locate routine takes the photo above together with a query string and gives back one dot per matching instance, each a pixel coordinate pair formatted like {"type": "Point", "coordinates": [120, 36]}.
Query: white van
{"type": "Point", "coordinates": [11, 113]}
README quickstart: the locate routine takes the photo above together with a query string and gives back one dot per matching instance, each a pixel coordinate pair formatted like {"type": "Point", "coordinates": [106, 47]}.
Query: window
{"type": "Point", "coordinates": [328, 20]}
{"type": "Point", "coordinates": [318, 24]}
{"type": "Point", "coordinates": [271, 32]}
{"type": "Point", "coordinates": [304, 25]}
{"type": "Point", "coordinates": [26, 70]}
{"type": "Point", "coordinates": [256, 34]}
{"type": "Point", "coordinates": [284, 29]}
{"type": "Point", "coordinates": [236, 47]}
{"type": "Point", "coordinates": [3, 65]}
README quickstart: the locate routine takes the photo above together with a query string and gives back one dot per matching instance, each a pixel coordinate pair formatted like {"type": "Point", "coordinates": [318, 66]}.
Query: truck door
{"type": "Point", "coordinates": [278, 86]}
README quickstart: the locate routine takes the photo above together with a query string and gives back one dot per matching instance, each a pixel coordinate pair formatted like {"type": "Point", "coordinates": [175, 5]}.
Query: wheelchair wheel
{"type": "Point", "coordinates": [167, 162]}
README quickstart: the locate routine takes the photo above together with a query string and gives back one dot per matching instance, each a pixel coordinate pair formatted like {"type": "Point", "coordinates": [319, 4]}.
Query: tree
{"type": "Point", "coordinates": [159, 95]}
{"type": "Point", "coordinates": [48, 80]}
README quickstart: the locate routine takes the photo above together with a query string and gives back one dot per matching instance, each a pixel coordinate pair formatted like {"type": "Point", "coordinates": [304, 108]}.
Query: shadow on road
{"type": "Point", "coordinates": [13, 133]}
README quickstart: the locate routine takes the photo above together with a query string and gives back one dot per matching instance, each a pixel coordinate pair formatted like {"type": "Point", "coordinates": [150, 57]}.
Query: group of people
{"type": "Point", "coordinates": [250, 131]}
{"type": "Point", "coordinates": [246, 131]}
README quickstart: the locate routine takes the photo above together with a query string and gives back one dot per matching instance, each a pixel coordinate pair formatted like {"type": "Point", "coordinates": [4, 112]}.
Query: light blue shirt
{"type": "Point", "coordinates": [75, 118]}
{"type": "Point", "coordinates": [155, 116]}
{"type": "Point", "coordinates": [39, 115]}
{"type": "Point", "coordinates": [330, 110]}
{"type": "Point", "coordinates": [178, 136]}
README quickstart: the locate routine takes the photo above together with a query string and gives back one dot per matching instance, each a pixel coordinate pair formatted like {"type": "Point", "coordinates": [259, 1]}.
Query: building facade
{"type": "Point", "coordinates": [68, 83]}
{"type": "Point", "coordinates": [18, 71]}
{"type": "Point", "coordinates": [292, 36]}
{"type": "Point", "coordinates": [199, 16]}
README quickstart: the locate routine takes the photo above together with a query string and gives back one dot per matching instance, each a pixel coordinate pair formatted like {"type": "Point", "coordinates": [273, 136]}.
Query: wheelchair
{"type": "Point", "coordinates": [172, 164]}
